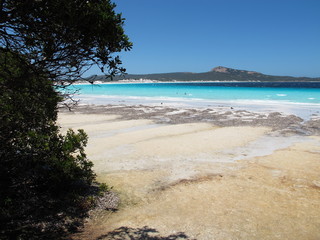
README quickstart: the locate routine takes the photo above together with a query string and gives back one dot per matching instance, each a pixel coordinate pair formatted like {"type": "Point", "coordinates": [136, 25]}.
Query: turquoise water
{"type": "Point", "coordinates": [280, 92]}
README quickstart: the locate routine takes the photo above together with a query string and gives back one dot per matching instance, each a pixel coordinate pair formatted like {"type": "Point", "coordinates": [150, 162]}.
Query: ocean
{"type": "Point", "coordinates": [300, 98]}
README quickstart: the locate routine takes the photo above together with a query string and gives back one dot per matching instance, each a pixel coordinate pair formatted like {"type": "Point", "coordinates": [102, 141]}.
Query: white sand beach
{"type": "Point", "coordinates": [200, 179]}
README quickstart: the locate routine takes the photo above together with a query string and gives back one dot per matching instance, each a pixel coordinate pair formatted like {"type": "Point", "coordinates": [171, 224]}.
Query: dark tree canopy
{"type": "Point", "coordinates": [45, 177]}
{"type": "Point", "coordinates": [39, 167]}
{"type": "Point", "coordinates": [65, 38]}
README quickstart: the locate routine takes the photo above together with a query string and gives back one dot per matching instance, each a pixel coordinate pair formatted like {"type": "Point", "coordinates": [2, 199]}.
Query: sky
{"type": "Point", "coordinates": [275, 37]}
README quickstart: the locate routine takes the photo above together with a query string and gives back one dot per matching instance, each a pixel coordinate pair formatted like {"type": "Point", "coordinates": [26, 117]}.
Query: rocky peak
{"type": "Point", "coordinates": [220, 69]}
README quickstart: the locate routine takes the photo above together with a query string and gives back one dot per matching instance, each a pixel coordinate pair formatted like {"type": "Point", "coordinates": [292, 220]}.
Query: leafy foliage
{"type": "Point", "coordinates": [64, 37]}
{"type": "Point", "coordinates": [38, 165]}
{"type": "Point", "coordinates": [45, 176]}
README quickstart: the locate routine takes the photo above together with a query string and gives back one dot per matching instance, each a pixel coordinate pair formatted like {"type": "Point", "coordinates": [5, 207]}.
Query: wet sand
{"type": "Point", "coordinates": [202, 177]}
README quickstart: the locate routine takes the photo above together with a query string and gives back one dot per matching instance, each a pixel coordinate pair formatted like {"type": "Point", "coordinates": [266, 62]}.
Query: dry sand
{"type": "Point", "coordinates": [200, 181]}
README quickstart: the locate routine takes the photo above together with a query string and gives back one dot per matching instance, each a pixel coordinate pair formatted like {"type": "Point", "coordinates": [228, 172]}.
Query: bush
{"type": "Point", "coordinates": [40, 169]}
{"type": "Point", "coordinates": [44, 176]}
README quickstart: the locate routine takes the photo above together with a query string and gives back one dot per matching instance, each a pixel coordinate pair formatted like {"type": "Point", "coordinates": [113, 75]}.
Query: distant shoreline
{"type": "Point", "coordinates": [216, 74]}
{"type": "Point", "coordinates": [156, 81]}
{"type": "Point", "coordinates": [198, 81]}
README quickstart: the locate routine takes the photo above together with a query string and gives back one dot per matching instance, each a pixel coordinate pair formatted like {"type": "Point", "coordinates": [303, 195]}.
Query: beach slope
{"type": "Point", "coordinates": [199, 180]}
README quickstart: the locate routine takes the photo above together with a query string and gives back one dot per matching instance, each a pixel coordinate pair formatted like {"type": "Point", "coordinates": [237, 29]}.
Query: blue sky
{"type": "Point", "coordinates": [276, 37]}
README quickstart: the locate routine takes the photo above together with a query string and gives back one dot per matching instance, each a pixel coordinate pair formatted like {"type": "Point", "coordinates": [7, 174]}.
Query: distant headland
{"type": "Point", "coordinates": [219, 73]}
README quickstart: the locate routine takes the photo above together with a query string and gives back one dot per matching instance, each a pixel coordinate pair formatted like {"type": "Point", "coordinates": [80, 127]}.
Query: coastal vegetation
{"type": "Point", "coordinates": [216, 74]}
{"type": "Point", "coordinates": [46, 180]}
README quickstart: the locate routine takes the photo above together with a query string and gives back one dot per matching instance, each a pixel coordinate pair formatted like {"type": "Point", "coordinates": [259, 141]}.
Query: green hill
{"type": "Point", "coordinates": [216, 74]}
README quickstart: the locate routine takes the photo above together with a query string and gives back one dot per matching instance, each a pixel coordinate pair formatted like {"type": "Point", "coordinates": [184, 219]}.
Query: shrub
{"type": "Point", "coordinates": [40, 169]}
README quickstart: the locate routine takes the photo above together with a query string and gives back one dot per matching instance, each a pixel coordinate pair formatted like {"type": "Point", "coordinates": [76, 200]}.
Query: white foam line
{"type": "Point", "coordinates": [95, 98]}
{"type": "Point", "coordinates": [303, 110]}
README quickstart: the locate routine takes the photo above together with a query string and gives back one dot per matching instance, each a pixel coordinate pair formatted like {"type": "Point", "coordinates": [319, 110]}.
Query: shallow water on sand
{"type": "Point", "coordinates": [286, 92]}
{"type": "Point", "coordinates": [301, 99]}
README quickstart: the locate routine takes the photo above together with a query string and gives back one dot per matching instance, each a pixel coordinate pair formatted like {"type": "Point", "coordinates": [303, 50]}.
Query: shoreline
{"type": "Point", "coordinates": [303, 110]}
{"type": "Point", "coordinates": [129, 81]}
{"type": "Point", "coordinates": [211, 172]}
{"type": "Point", "coordinates": [177, 81]}
{"type": "Point", "coordinates": [284, 101]}
{"type": "Point", "coordinates": [220, 116]}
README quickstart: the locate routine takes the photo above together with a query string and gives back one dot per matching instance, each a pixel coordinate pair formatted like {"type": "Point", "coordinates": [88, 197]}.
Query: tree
{"type": "Point", "coordinates": [45, 45]}
{"type": "Point", "coordinates": [64, 38]}
{"type": "Point", "coordinates": [38, 166]}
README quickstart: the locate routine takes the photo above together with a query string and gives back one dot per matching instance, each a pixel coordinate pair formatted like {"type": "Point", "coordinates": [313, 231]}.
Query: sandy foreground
{"type": "Point", "coordinates": [200, 179]}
